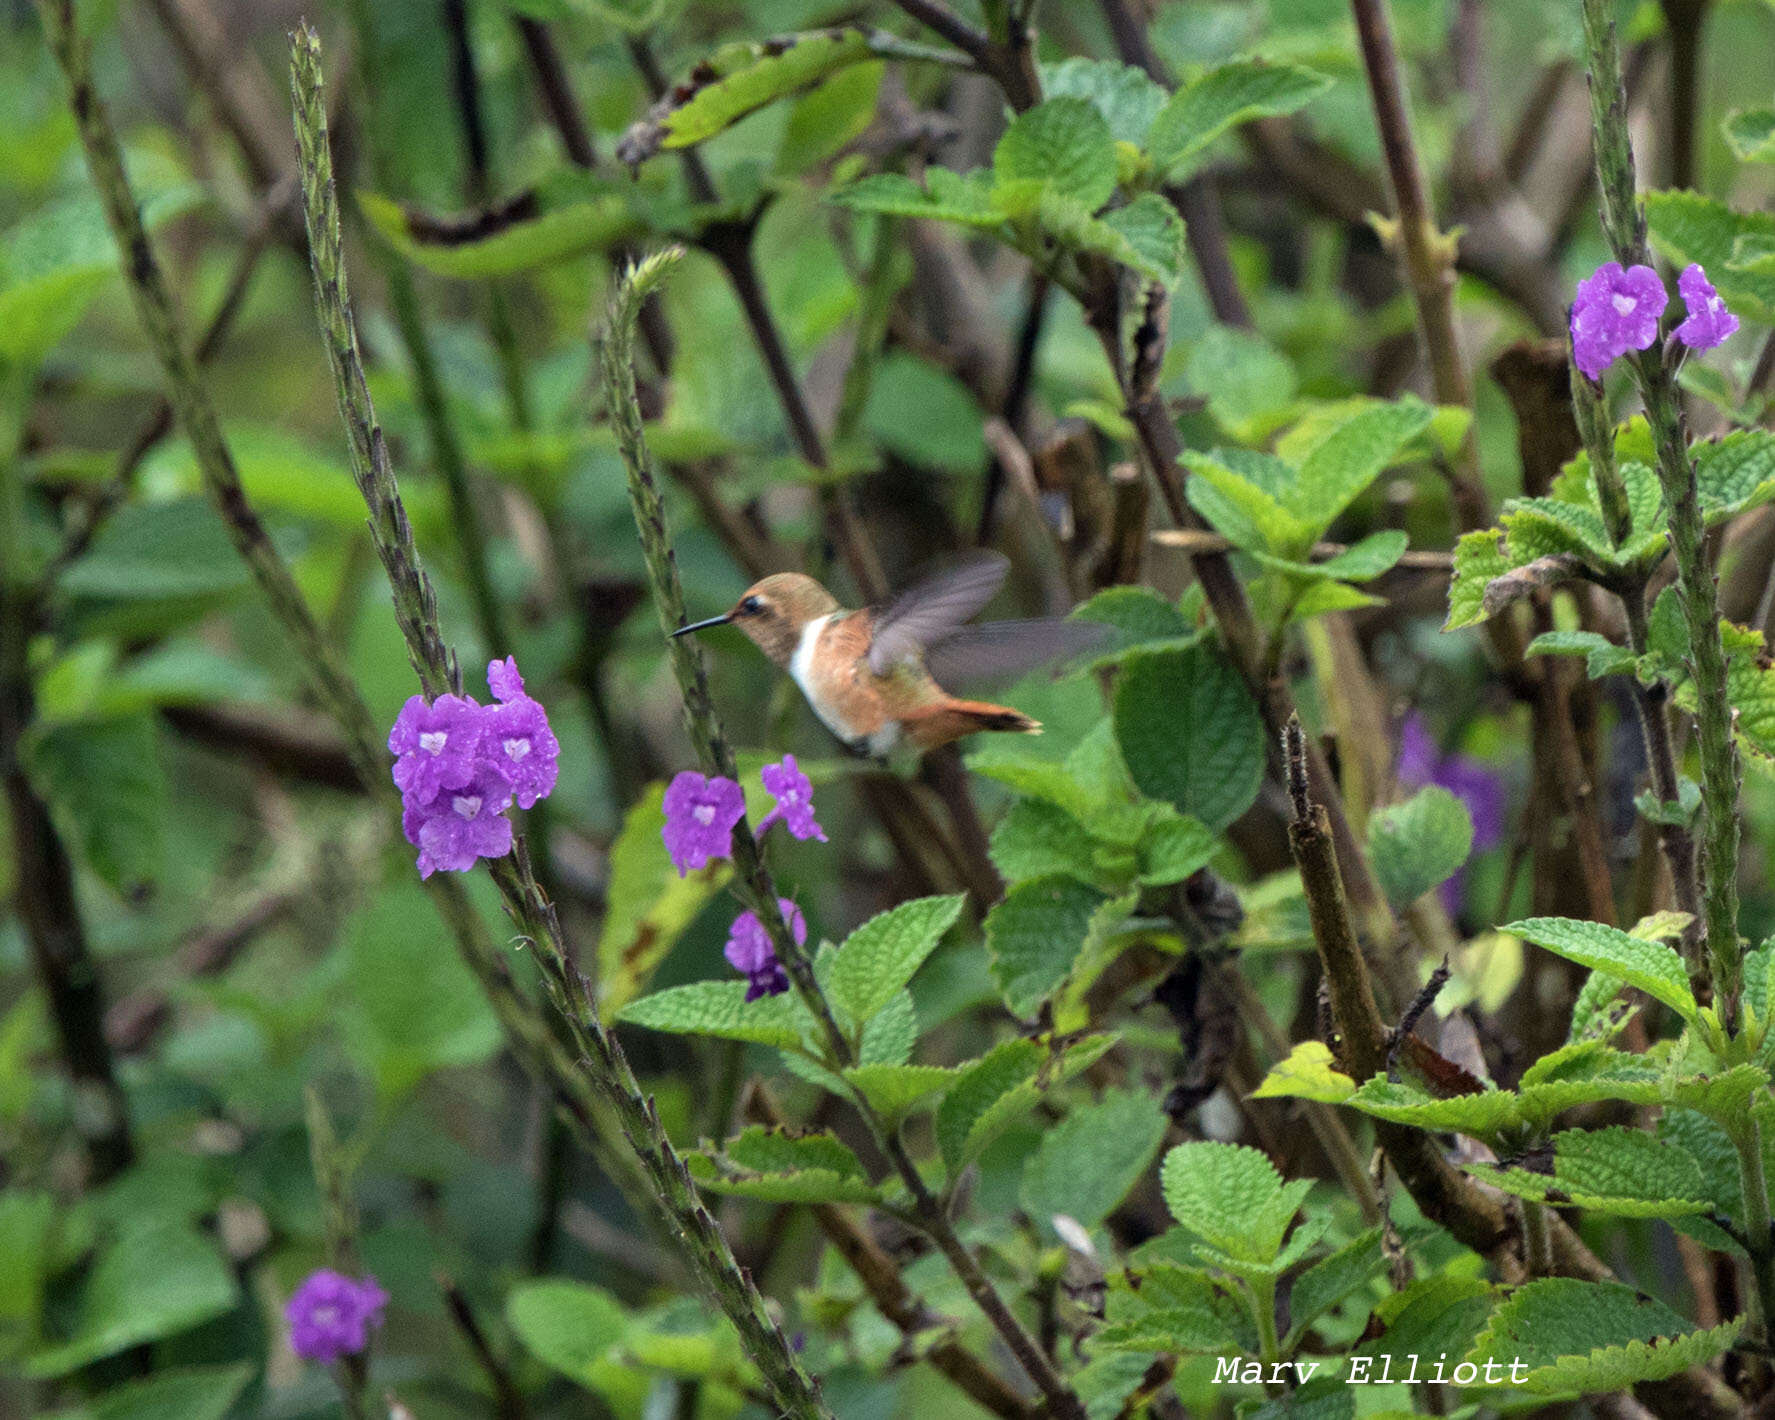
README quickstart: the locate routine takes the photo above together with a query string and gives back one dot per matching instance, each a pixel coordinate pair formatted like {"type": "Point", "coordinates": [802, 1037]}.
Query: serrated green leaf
{"type": "Point", "coordinates": [1750, 132]}
{"type": "Point", "coordinates": [521, 244]}
{"type": "Point", "coordinates": [1245, 495]}
{"type": "Point", "coordinates": [1190, 733]}
{"type": "Point", "coordinates": [1481, 1115]}
{"type": "Point", "coordinates": [1479, 559]}
{"type": "Point", "coordinates": [1248, 383]}
{"type": "Point", "coordinates": [1174, 1309]}
{"type": "Point", "coordinates": [1231, 1197]}
{"type": "Point", "coordinates": [647, 905]}
{"type": "Point", "coordinates": [720, 1009]}
{"type": "Point", "coordinates": [1419, 844]}
{"type": "Point", "coordinates": [1037, 839]}
{"type": "Point", "coordinates": [1734, 473]}
{"type": "Point", "coordinates": [889, 1035]}
{"type": "Point", "coordinates": [949, 197]}
{"type": "Point", "coordinates": [1547, 527]}
{"type": "Point", "coordinates": [882, 955]}
{"type": "Point", "coordinates": [1003, 1084]}
{"type": "Point", "coordinates": [1123, 94]}
{"type": "Point", "coordinates": [1328, 1281]}
{"type": "Point", "coordinates": [1687, 227]}
{"type": "Point", "coordinates": [739, 79]}
{"type": "Point", "coordinates": [1087, 1163]}
{"type": "Point", "coordinates": [1310, 1073]}
{"type": "Point", "coordinates": [1350, 456]}
{"type": "Point", "coordinates": [1624, 1172]}
{"type": "Point", "coordinates": [1037, 933]}
{"type": "Point", "coordinates": [1140, 617]}
{"type": "Point", "coordinates": [1651, 966]}
{"type": "Point", "coordinates": [775, 1166]}
{"type": "Point", "coordinates": [1593, 1337]}
{"type": "Point", "coordinates": [1173, 846]}
{"type": "Point", "coordinates": [1235, 93]}
{"type": "Point", "coordinates": [1601, 655]}
{"type": "Point", "coordinates": [1360, 562]}
{"type": "Point", "coordinates": [1064, 145]}
{"type": "Point", "coordinates": [893, 1091]}
{"type": "Point", "coordinates": [1145, 235]}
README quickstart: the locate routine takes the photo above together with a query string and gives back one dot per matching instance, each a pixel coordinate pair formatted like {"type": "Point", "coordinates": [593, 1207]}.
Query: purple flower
{"type": "Point", "coordinates": [700, 815]}
{"type": "Point", "coordinates": [749, 951]}
{"type": "Point", "coordinates": [795, 800]}
{"type": "Point", "coordinates": [518, 741]}
{"type": "Point", "coordinates": [435, 745]}
{"type": "Point", "coordinates": [1477, 786]}
{"type": "Point", "coordinates": [330, 1315]}
{"type": "Point", "coordinates": [1615, 311]}
{"type": "Point", "coordinates": [1709, 322]}
{"type": "Point", "coordinates": [461, 825]}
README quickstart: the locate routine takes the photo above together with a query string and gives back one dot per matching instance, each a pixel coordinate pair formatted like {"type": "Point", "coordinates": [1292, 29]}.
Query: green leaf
{"type": "Point", "coordinates": [1140, 617]}
{"type": "Point", "coordinates": [1620, 1171]}
{"type": "Point", "coordinates": [1248, 383]}
{"type": "Point", "coordinates": [1547, 527]}
{"type": "Point", "coordinates": [1123, 94]}
{"type": "Point", "coordinates": [775, 1166]}
{"type": "Point", "coordinates": [1601, 655]}
{"type": "Point", "coordinates": [1651, 966]}
{"type": "Point", "coordinates": [1173, 847]}
{"type": "Point", "coordinates": [1244, 493]}
{"type": "Point", "coordinates": [1479, 559]}
{"type": "Point", "coordinates": [1310, 1073]}
{"type": "Point", "coordinates": [1235, 93]}
{"type": "Point", "coordinates": [1003, 1084]}
{"type": "Point", "coordinates": [1037, 839]}
{"type": "Point", "coordinates": [1328, 1281]}
{"type": "Point", "coordinates": [720, 1009]}
{"type": "Point", "coordinates": [104, 782]}
{"type": "Point", "coordinates": [193, 1393]}
{"type": "Point", "coordinates": [1190, 733]}
{"type": "Point", "coordinates": [1064, 145]}
{"type": "Point", "coordinates": [1687, 227]}
{"type": "Point", "coordinates": [893, 1091]}
{"type": "Point", "coordinates": [881, 956]}
{"type": "Point", "coordinates": [1750, 132]}
{"type": "Point", "coordinates": [1734, 473]}
{"type": "Point", "coordinates": [1038, 931]}
{"type": "Point", "coordinates": [1593, 1337]}
{"type": "Point", "coordinates": [830, 118]}
{"type": "Point", "coordinates": [569, 1326]}
{"type": "Point", "coordinates": [739, 79]}
{"type": "Point", "coordinates": [482, 250]}
{"type": "Point", "coordinates": [1175, 1309]}
{"type": "Point", "coordinates": [647, 905]}
{"type": "Point", "coordinates": [1404, 1102]}
{"type": "Point", "coordinates": [925, 415]}
{"type": "Point", "coordinates": [1148, 237]}
{"type": "Point", "coordinates": [1087, 1163]}
{"type": "Point", "coordinates": [1231, 1197]}
{"type": "Point", "coordinates": [1350, 457]}
{"type": "Point", "coordinates": [948, 197]}
{"type": "Point", "coordinates": [1419, 844]}
{"type": "Point", "coordinates": [155, 1280]}
{"type": "Point", "coordinates": [1360, 562]}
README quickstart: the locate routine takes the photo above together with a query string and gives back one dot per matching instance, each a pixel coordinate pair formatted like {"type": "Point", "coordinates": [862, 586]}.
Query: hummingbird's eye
{"type": "Point", "coordinates": [751, 606]}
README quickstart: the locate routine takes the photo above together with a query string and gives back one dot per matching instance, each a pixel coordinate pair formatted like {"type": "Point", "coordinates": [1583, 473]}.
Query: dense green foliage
{"type": "Point", "coordinates": [1352, 981]}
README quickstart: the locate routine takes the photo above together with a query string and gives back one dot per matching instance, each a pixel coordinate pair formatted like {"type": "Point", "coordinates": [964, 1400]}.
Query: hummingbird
{"type": "Point", "coordinates": [873, 675]}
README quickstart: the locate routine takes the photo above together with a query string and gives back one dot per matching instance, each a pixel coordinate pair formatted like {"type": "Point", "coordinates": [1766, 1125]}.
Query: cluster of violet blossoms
{"type": "Point", "coordinates": [331, 1315]}
{"type": "Point", "coordinates": [460, 765]}
{"type": "Point", "coordinates": [1618, 310]}
{"type": "Point", "coordinates": [701, 815]}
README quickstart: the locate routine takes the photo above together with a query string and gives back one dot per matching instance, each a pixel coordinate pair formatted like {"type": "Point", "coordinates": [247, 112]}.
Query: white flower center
{"type": "Point", "coordinates": [704, 814]}
{"type": "Point", "coordinates": [517, 749]}
{"type": "Point", "coordinates": [326, 1316]}
{"type": "Point", "coordinates": [1626, 305]}
{"type": "Point", "coordinates": [466, 805]}
{"type": "Point", "coordinates": [433, 741]}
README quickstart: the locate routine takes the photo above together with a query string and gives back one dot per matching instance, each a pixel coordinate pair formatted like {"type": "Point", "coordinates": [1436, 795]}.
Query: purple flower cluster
{"type": "Point", "coordinates": [749, 952]}
{"type": "Point", "coordinates": [1481, 789]}
{"type": "Point", "coordinates": [1617, 310]}
{"type": "Point", "coordinates": [701, 813]}
{"type": "Point", "coordinates": [460, 765]}
{"type": "Point", "coordinates": [331, 1315]}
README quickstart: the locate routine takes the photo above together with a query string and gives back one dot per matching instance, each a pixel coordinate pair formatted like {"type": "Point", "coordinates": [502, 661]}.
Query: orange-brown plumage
{"type": "Point", "coordinates": [865, 672]}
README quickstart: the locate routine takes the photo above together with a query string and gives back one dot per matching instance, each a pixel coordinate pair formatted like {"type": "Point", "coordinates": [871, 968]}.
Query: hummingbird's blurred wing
{"type": "Point", "coordinates": [930, 610]}
{"type": "Point", "coordinates": [1002, 650]}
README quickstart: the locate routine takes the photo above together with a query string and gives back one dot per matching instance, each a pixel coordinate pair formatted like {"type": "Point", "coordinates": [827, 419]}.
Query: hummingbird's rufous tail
{"type": "Point", "coordinates": [951, 719]}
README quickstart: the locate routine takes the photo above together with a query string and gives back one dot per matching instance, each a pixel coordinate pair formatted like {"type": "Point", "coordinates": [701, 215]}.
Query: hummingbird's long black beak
{"type": "Point", "coordinates": [703, 625]}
